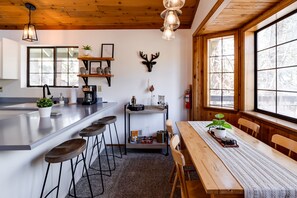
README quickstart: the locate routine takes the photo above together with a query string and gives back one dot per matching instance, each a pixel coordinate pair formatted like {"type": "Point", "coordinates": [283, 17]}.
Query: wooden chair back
{"type": "Point", "coordinates": [284, 142]}
{"type": "Point", "coordinates": [179, 161]}
{"type": "Point", "coordinates": [169, 128]}
{"type": "Point", "coordinates": [250, 126]}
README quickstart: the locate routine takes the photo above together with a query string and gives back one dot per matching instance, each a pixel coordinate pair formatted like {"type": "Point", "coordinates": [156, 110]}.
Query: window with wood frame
{"type": "Point", "coordinates": [276, 68]}
{"type": "Point", "coordinates": [221, 89]}
{"type": "Point", "coordinates": [54, 66]}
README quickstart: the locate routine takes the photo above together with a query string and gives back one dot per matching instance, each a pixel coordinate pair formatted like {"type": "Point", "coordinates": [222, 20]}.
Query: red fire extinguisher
{"type": "Point", "coordinates": [187, 98]}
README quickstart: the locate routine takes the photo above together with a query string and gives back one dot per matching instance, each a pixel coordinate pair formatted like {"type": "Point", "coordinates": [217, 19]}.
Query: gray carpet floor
{"type": "Point", "coordinates": [140, 173]}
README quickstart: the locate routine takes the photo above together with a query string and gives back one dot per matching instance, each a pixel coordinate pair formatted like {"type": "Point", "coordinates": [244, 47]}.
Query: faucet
{"type": "Point", "coordinates": [48, 91]}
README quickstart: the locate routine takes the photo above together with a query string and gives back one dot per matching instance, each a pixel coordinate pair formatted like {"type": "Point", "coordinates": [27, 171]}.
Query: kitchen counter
{"type": "Point", "coordinates": [26, 130]}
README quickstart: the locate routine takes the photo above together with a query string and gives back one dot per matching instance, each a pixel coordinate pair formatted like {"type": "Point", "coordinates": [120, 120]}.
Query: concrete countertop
{"type": "Point", "coordinates": [27, 130]}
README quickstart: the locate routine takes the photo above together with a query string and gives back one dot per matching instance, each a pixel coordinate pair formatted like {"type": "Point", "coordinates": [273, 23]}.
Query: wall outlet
{"type": "Point", "coordinates": [1, 89]}
{"type": "Point", "coordinates": [99, 88]}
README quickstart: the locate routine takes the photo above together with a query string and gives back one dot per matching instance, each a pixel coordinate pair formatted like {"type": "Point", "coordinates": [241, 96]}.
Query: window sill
{"type": "Point", "coordinates": [272, 120]}
{"type": "Point", "coordinates": [223, 110]}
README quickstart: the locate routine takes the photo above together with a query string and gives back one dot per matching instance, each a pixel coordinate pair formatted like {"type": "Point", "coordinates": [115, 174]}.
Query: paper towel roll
{"type": "Point", "coordinates": [73, 97]}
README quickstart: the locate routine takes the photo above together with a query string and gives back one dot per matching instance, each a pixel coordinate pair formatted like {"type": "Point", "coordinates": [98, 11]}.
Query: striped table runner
{"type": "Point", "coordinates": [259, 175]}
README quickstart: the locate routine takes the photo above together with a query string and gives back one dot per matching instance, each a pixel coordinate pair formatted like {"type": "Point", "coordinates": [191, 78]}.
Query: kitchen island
{"type": "Point", "coordinates": [25, 138]}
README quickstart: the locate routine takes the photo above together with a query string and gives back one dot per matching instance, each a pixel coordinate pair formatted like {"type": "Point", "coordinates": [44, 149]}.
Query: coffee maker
{"type": "Point", "coordinates": [90, 93]}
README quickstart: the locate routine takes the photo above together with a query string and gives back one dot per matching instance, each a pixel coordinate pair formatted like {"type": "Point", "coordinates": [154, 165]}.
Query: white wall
{"type": "Point", "coordinates": [170, 76]}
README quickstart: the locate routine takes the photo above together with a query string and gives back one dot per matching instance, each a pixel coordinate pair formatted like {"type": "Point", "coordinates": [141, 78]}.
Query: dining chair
{"type": "Point", "coordinates": [188, 162]}
{"type": "Point", "coordinates": [250, 126]}
{"type": "Point", "coordinates": [189, 188]}
{"type": "Point", "coordinates": [283, 141]}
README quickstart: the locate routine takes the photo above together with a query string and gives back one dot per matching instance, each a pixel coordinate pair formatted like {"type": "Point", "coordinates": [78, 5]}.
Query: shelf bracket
{"type": "Point", "coordinates": [85, 80]}
{"type": "Point", "coordinates": [108, 81]}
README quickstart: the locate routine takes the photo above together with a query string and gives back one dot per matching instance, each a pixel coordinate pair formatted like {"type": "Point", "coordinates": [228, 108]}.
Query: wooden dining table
{"type": "Point", "coordinates": [215, 177]}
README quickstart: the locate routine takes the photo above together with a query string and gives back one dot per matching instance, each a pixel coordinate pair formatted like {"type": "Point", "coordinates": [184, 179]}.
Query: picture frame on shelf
{"type": "Point", "coordinates": [107, 50]}
{"type": "Point", "coordinates": [93, 67]}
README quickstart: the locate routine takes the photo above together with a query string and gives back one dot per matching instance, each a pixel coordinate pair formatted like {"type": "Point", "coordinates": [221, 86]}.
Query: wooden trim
{"type": "Point", "coordinates": [289, 126]}
{"type": "Point", "coordinates": [215, 10]}
{"type": "Point", "coordinates": [281, 5]}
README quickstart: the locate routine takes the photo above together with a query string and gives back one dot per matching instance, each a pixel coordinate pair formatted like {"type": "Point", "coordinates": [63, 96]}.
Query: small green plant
{"type": "Point", "coordinates": [87, 47]}
{"type": "Point", "coordinates": [219, 122]}
{"type": "Point", "coordinates": [44, 102]}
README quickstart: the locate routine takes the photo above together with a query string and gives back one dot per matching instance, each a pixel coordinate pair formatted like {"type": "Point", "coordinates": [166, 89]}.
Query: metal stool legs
{"type": "Point", "coordinates": [73, 179]}
{"type": "Point", "coordinates": [99, 156]}
{"type": "Point", "coordinates": [112, 149]}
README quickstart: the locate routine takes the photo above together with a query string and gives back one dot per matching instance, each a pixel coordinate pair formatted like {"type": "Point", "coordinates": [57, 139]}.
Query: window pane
{"type": "Point", "coordinates": [215, 81]}
{"type": "Point", "coordinates": [286, 29]}
{"type": "Point", "coordinates": [228, 63]}
{"type": "Point", "coordinates": [221, 71]}
{"type": "Point", "coordinates": [266, 59]}
{"type": "Point", "coordinates": [228, 45]}
{"type": "Point", "coordinates": [277, 68]}
{"type": "Point", "coordinates": [215, 64]}
{"type": "Point", "coordinates": [228, 98]}
{"type": "Point", "coordinates": [73, 80]}
{"type": "Point", "coordinates": [266, 100]}
{"type": "Point", "coordinates": [266, 79]}
{"type": "Point", "coordinates": [47, 79]}
{"type": "Point", "coordinates": [286, 54]}
{"type": "Point", "coordinates": [228, 81]}
{"type": "Point", "coordinates": [215, 98]}
{"type": "Point", "coordinates": [48, 53]}
{"type": "Point", "coordinates": [266, 38]}
{"type": "Point", "coordinates": [215, 47]}
{"type": "Point", "coordinates": [287, 104]}
{"type": "Point", "coordinates": [43, 60]}
{"type": "Point", "coordinates": [287, 79]}
{"type": "Point", "coordinates": [74, 66]}
{"type": "Point", "coordinates": [35, 79]}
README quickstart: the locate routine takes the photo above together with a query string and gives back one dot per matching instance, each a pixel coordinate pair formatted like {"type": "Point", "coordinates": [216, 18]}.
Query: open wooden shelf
{"type": "Point", "coordinates": [95, 75]}
{"type": "Point", "coordinates": [92, 58]}
{"type": "Point", "coordinates": [87, 60]}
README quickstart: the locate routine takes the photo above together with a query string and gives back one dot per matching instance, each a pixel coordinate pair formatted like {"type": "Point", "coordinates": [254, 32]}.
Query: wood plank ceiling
{"type": "Point", "coordinates": [91, 14]}
{"type": "Point", "coordinates": [233, 14]}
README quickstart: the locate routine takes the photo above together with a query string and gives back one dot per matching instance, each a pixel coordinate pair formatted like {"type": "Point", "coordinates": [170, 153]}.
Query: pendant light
{"type": "Point", "coordinates": [29, 33]}
{"type": "Point", "coordinates": [168, 34]}
{"type": "Point", "coordinates": [173, 4]}
{"type": "Point", "coordinates": [171, 20]}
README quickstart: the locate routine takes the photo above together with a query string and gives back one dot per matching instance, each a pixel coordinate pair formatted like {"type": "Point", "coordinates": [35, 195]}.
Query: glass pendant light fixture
{"type": "Point", "coordinates": [173, 4]}
{"type": "Point", "coordinates": [171, 20]}
{"type": "Point", "coordinates": [168, 34]}
{"type": "Point", "coordinates": [29, 33]}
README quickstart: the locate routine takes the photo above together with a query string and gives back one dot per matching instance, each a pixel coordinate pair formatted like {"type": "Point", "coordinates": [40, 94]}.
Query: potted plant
{"type": "Point", "coordinates": [220, 126]}
{"type": "Point", "coordinates": [87, 49]}
{"type": "Point", "coordinates": [44, 106]}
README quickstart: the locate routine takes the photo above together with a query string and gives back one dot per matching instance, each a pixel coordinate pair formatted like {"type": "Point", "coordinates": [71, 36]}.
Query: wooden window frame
{"type": "Point", "coordinates": [55, 64]}
{"type": "Point", "coordinates": [234, 33]}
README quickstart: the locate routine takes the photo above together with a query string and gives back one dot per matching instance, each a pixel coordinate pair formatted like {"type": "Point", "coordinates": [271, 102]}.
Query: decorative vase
{"type": "Point", "coordinates": [45, 112]}
{"type": "Point", "coordinates": [219, 133]}
{"type": "Point", "coordinates": [87, 52]}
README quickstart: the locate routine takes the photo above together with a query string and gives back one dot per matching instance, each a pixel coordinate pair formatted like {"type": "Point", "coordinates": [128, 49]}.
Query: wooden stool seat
{"type": "Point", "coordinates": [92, 130]}
{"type": "Point", "coordinates": [66, 151]}
{"type": "Point", "coordinates": [107, 120]}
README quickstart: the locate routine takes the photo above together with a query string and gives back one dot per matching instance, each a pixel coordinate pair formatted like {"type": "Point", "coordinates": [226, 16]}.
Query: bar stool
{"type": "Point", "coordinates": [90, 132]}
{"type": "Point", "coordinates": [64, 152]}
{"type": "Point", "coordinates": [108, 120]}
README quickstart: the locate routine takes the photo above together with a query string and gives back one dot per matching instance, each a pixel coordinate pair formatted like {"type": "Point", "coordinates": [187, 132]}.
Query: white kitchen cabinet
{"type": "Point", "coordinates": [9, 59]}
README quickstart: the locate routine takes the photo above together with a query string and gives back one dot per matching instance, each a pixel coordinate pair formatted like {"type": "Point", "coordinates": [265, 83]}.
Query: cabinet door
{"type": "Point", "coordinates": [9, 59]}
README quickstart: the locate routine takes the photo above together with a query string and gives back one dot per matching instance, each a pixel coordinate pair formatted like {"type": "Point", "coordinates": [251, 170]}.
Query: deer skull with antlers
{"type": "Point", "coordinates": [148, 63]}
